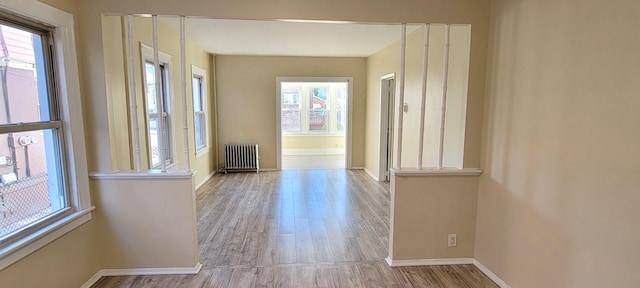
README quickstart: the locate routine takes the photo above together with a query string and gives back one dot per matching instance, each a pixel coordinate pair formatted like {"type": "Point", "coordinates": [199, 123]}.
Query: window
{"type": "Point", "coordinates": [32, 186]}
{"type": "Point", "coordinates": [198, 77]}
{"type": "Point", "coordinates": [313, 108]}
{"type": "Point", "coordinates": [153, 115]}
{"type": "Point", "coordinates": [44, 189]}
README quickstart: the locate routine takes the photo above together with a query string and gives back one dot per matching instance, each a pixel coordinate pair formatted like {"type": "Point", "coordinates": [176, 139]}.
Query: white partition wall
{"type": "Point", "coordinates": [429, 176]}
{"type": "Point", "coordinates": [124, 196]}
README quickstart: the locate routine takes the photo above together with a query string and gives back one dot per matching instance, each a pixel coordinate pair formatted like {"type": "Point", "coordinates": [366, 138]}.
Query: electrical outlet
{"type": "Point", "coordinates": [453, 240]}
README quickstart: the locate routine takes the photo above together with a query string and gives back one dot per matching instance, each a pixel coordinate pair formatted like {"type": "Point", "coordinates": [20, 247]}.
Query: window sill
{"type": "Point", "coordinates": [167, 166]}
{"type": "Point", "coordinates": [18, 250]}
{"type": "Point", "coordinates": [202, 151]}
{"type": "Point", "coordinates": [147, 174]}
{"type": "Point", "coordinates": [433, 172]}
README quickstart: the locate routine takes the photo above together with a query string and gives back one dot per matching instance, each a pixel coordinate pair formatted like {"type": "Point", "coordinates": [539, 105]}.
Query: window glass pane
{"type": "Point", "coordinates": [318, 98]}
{"type": "Point", "coordinates": [150, 84]}
{"type": "Point", "coordinates": [290, 117]}
{"type": "Point", "coordinates": [154, 136]}
{"type": "Point", "coordinates": [153, 139]}
{"type": "Point", "coordinates": [341, 120]}
{"type": "Point", "coordinates": [30, 178]}
{"type": "Point", "coordinates": [165, 88]}
{"type": "Point", "coordinates": [167, 138]}
{"type": "Point", "coordinates": [318, 109]}
{"type": "Point", "coordinates": [197, 100]}
{"type": "Point", "coordinates": [341, 107]}
{"type": "Point", "coordinates": [291, 98]}
{"type": "Point", "coordinates": [199, 129]}
{"type": "Point", "coordinates": [203, 131]}
{"type": "Point", "coordinates": [318, 120]}
{"type": "Point", "coordinates": [291, 120]}
{"type": "Point", "coordinates": [152, 109]}
{"type": "Point", "coordinates": [23, 77]}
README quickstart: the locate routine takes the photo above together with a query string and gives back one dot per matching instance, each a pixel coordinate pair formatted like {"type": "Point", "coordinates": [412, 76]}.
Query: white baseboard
{"type": "Point", "coordinates": [449, 261]}
{"type": "Point", "coordinates": [357, 168]}
{"type": "Point", "coordinates": [152, 271]}
{"type": "Point", "coordinates": [429, 262]}
{"type": "Point", "coordinates": [205, 179]}
{"type": "Point", "coordinates": [490, 274]}
{"type": "Point", "coordinates": [371, 174]}
{"type": "Point", "coordinates": [141, 271]}
{"type": "Point", "coordinates": [92, 280]}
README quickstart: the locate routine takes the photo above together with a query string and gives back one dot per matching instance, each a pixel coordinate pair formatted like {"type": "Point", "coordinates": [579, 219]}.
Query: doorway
{"type": "Point", "coordinates": [313, 123]}
{"type": "Point", "coordinates": [387, 101]}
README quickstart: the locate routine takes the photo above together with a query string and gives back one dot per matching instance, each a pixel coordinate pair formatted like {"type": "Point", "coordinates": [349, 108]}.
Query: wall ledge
{"type": "Point", "coordinates": [432, 172]}
{"type": "Point", "coordinates": [147, 174]}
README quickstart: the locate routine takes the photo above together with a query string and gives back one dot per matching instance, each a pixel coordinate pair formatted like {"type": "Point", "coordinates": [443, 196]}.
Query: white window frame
{"type": "Point", "coordinates": [197, 72]}
{"type": "Point", "coordinates": [164, 60]}
{"type": "Point", "coordinates": [72, 132]}
{"type": "Point", "coordinates": [332, 117]}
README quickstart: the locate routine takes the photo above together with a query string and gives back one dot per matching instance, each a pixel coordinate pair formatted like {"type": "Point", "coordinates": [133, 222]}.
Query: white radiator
{"type": "Point", "coordinates": [241, 157]}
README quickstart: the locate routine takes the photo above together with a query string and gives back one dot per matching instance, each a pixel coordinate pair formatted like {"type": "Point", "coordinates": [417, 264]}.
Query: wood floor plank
{"type": "Point", "coordinates": [317, 228]}
{"type": "Point", "coordinates": [306, 228]}
{"type": "Point", "coordinates": [243, 278]}
{"type": "Point", "coordinates": [286, 249]}
{"type": "Point", "coordinates": [304, 244]}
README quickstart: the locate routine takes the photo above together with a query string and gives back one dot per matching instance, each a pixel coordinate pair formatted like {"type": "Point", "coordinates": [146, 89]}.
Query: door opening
{"type": "Point", "coordinates": [313, 123]}
{"type": "Point", "coordinates": [387, 101]}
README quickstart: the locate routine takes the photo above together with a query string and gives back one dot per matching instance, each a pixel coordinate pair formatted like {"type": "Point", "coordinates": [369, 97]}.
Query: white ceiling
{"type": "Point", "coordinates": [284, 38]}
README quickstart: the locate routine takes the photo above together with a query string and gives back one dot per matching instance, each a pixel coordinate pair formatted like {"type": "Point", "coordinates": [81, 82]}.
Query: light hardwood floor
{"type": "Point", "coordinates": [303, 228]}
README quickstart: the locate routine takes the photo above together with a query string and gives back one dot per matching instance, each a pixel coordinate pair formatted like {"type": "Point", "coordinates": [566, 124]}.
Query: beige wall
{"type": "Point", "coordinates": [313, 142]}
{"type": "Point", "coordinates": [69, 261]}
{"type": "Point", "coordinates": [64, 5]}
{"type": "Point", "coordinates": [120, 132]}
{"type": "Point", "coordinates": [427, 209]}
{"type": "Point", "coordinates": [138, 233]}
{"type": "Point", "coordinates": [409, 11]}
{"type": "Point", "coordinates": [558, 200]}
{"type": "Point", "coordinates": [118, 99]}
{"type": "Point", "coordinates": [383, 62]}
{"type": "Point", "coordinates": [247, 98]}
